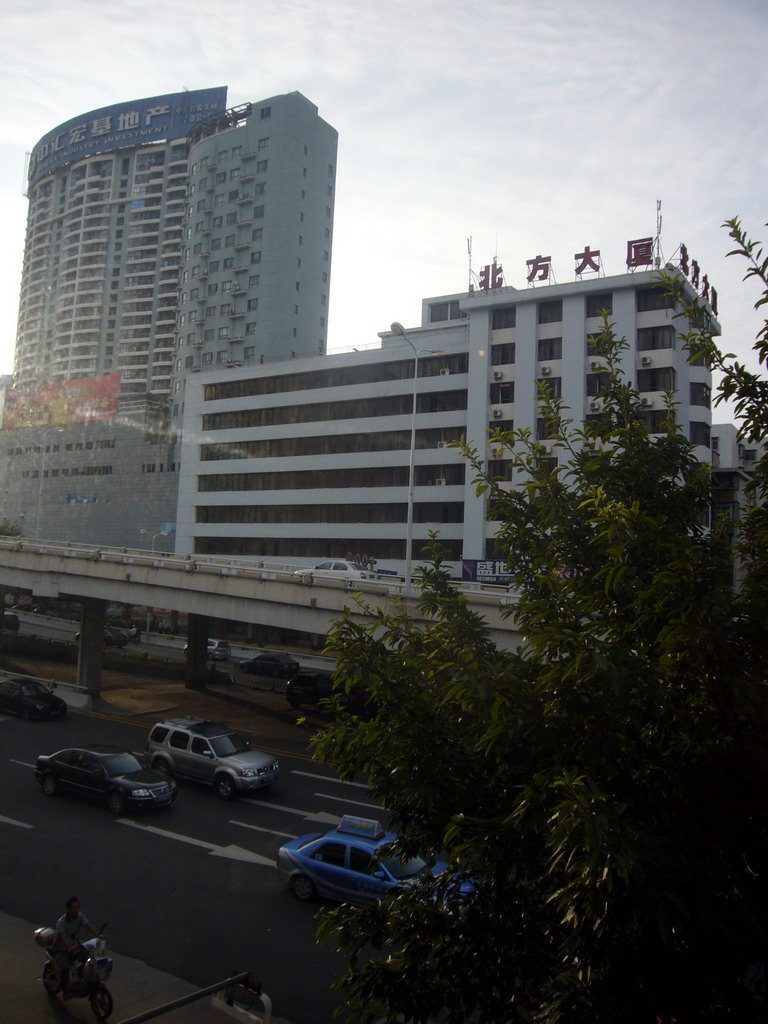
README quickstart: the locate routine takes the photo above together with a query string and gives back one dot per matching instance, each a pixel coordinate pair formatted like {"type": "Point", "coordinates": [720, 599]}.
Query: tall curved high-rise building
{"type": "Point", "coordinates": [171, 234]}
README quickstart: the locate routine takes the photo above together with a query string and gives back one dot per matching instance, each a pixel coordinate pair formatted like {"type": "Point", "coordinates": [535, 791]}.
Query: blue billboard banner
{"type": "Point", "coordinates": [485, 570]}
{"type": "Point", "coordinates": [156, 119]}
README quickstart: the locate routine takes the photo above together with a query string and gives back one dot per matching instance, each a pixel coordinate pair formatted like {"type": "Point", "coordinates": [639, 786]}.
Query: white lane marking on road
{"type": "Point", "coordinates": [321, 816]}
{"type": "Point", "coordinates": [345, 800]}
{"type": "Point", "coordinates": [12, 821]}
{"type": "Point", "coordinates": [258, 828]}
{"type": "Point", "coordinates": [229, 852]}
{"type": "Point", "coordinates": [329, 778]}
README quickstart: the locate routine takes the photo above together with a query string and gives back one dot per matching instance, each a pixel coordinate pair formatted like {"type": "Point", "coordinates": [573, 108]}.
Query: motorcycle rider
{"type": "Point", "coordinates": [66, 943]}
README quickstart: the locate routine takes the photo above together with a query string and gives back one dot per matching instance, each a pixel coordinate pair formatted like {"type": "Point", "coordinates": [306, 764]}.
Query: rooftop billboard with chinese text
{"type": "Point", "coordinates": [156, 119]}
{"type": "Point", "coordinates": [85, 400]}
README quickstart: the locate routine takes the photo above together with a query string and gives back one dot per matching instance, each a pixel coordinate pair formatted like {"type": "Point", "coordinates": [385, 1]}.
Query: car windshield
{"type": "Point", "coordinates": [402, 869]}
{"type": "Point", "coordinates": [121, 764]}
{"type": "Point", "coordinates": [34, 690]}
{"type": "Point", "coordinates": [232, 743]}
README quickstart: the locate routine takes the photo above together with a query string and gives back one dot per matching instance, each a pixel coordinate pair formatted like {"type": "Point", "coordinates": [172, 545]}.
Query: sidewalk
{"type": "Point", "coordinates": [135, 986]}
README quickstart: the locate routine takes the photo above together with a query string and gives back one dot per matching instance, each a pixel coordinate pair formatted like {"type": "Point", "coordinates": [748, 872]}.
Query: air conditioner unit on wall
{"type": "Point", "coordinates": [498, 375]}
{"type": "Point", "coordinates": [440, 482]}
{"type": "Point", "coordinates": [645, 402]}
{"type": "Point", "coordinates": [497, 414]}
{"type": "Point", "coordinates": [594, 406]}
{"type": "Point", "coordinates": [444, 371]}
{"type": "Point", "coordinates": [442, 444]}
{"type": "Point", "coordinates": [596, 366]}
{"type": "Point", "coordinates": [645, 361]}
{"type": "Point", "coordinates": [545, 371]}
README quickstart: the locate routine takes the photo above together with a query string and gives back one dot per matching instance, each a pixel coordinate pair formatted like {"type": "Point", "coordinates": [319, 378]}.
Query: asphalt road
{"type": "Point", "coordinates": [192, 891]}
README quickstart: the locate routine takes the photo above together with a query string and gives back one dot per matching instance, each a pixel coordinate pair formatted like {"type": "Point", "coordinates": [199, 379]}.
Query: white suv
{"type": "Point", "coordinates": [210, 752]}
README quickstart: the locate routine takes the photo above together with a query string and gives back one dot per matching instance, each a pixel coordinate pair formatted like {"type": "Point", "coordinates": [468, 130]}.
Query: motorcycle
{"type": "Point", "coordinates": [88, 971]}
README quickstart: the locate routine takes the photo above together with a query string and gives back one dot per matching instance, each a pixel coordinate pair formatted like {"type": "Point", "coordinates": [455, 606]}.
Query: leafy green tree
{"type": "Point", "coordinates": [603, 786]}
{"type": "Point", "coordinates": [9, 529]}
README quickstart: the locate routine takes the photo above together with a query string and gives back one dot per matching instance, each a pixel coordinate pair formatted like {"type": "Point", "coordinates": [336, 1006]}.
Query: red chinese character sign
{"type": "Point", "coordinates": [491, 276]}
{"type": "Point", "coordinates": [640, 253]}
{"type": "Point", "coordinates": [691, 269]}
{"type": "Point", "coordinates": [587, 261]}
{"type": "Point", "coordinates": [539, 268]}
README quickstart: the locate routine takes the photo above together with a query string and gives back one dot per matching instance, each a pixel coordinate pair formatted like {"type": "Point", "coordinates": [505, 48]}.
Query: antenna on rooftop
{"type": "Point", "coordinates": [469, 257]}
{"type": "Point", "coordinates": [657, 255]}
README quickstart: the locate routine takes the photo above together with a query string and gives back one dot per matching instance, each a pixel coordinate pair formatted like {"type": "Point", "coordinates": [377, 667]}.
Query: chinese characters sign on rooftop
{"type": "Point", "coordinates": [640, 254]}
{"type": "Point", "coordinates": [155, 119]}
{"type": "Point", "coordinates": [73, 401]}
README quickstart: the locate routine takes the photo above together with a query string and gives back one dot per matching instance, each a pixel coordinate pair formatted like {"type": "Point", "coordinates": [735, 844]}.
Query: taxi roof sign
{"type": "Point", "coordinates": [366, 827]}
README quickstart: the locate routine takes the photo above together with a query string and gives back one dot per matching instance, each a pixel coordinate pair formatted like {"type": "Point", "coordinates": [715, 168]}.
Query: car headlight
{"type": "Point", "coordinates": [247, 773]}
{"type": "Point", "coordinates": [141, 792]}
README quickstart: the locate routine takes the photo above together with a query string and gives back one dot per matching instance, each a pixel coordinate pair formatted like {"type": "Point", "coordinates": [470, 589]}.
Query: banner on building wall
{"type": "Point", "coordinates": [485, 570]}
{"type": "Point", "coordinates": [156, 119]}
{"type": "Point", "coordinates": [85, 400]}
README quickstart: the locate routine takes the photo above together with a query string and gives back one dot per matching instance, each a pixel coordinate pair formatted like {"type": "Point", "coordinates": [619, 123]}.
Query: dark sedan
{"type": "Point", "coordinates": [268, 669]}
{"type": "Point", "coordinates": [30, 699]}
{"type": "Point", "coordinates": [103, 772]}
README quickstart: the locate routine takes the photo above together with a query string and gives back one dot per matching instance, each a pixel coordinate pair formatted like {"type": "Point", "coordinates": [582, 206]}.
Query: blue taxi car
{"type": "Point", "coordinates": [344, 864]}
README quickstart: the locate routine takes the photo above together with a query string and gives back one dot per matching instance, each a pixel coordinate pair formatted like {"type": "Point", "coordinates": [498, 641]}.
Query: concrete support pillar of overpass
{"type": "Point", "coordinates": [196, 670]}
{"type": "Point", "coordinates": [90, 654]}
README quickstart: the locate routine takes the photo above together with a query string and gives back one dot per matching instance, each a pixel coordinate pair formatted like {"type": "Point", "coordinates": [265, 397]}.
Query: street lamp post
{"type": "Point", "coordinates": [154, 536]}
{"type": "Point", "coordinates": [46, 432]}
{"type": "Point", "coordinates": [397, 328]}
{"type": "Point", "coordinates": [162, 533]}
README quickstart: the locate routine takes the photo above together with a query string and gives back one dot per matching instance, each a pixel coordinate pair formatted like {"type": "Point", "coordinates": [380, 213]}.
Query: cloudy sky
{"type": "Point", "coordinates": [535, 128]}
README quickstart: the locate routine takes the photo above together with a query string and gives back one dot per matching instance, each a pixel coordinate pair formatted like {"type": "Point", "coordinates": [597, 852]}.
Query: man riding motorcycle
{"type": "Point", "coordinates": [67, 945]}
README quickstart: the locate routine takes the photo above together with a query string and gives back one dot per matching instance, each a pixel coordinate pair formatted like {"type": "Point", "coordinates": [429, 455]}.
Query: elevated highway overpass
{"type": "Point", "coordinates": [208, 588]}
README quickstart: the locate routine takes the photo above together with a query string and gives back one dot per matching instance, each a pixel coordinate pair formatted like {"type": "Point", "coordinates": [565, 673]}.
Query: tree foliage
{"type": "Point", "coordinates": [602, 785]}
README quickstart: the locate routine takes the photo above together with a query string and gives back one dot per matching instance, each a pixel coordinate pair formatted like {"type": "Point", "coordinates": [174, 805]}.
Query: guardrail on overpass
{"type": "Point", "coordinates": [241, 591]}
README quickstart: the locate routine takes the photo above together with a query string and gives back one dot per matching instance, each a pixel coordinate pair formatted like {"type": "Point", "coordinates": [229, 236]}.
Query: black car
{"type": "Point", "coordinates": [11, 622]}
{"type": "Point", "coordinates": [269, 668]}
{"type": "Point", "coordinates": [308, 687]}
{"type": "Point", "coordinates": [103, 772]}
{"type": "Point", "coordinates": [312, 688]}
{"type": "Point", "coordinates": [30, 699]}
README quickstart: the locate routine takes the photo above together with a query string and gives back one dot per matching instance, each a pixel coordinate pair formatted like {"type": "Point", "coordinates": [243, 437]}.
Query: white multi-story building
{"type": "Point", "coordinates": [301, 460]}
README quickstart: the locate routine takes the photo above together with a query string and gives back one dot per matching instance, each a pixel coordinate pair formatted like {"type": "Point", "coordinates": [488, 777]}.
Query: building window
{"type": "Point", "coordinates": [597, 382]}
{"type": "Point", "coordinates": [502, 319]}
{"type": "Point", "coordinates": [224, 332]}
{"type": "Point", "coordinates": [256, 257]}
{"type": "Point", "coordinates": [700, 394]}
{"type": "Point", "coordinates": [221, 355]}
{"type": "Point", "coordinates": [261, 166]}
{"type": "Point", "coordinates": [661, 378]}
{"type": "Point", "coordinates": [550, 348]}
{"type": "Point", "coordinates": [700, 433]}
{"type": "Point", "coordinates": [266, 112]}
{"type": "Point", "coordinates": [502, 394]}
{"type": "Point", "coordinates": [263, 143]}
{"type": "Point", "coordinates": [652, 298]}
{"type": "Point", "coordinates": [597, 303]}
{"type": "Point", "coordinates": [253, 304]}
{"type": "Point", "coordinates": [649, 338]}
{"type": "Point", "coordinates": [551, 312]}
{"type": "Point", "coordinates": [502, 355]}
{"type": "Point", "coordinates": [439, 311]}
{"type": "Point", "coordinates": [554, 385]}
